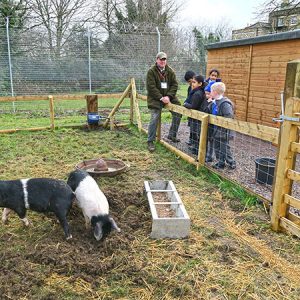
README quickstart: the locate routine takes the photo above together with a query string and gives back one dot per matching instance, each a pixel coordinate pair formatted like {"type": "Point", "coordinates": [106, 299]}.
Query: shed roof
{"type": "Point", "coordinates": [288, 35]}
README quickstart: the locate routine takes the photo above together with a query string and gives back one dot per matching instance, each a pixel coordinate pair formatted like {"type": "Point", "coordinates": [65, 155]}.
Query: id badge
{"type": "Point", "coordinates": [163, 85]}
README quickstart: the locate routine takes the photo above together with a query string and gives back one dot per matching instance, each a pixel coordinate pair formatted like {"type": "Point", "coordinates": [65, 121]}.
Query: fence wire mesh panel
{"type": "Point", "coordinates": [255, 161]}
{"type": "Point", "coordinates": [105, 64]}
{"type": "Point", "coordinates": [250, 162]}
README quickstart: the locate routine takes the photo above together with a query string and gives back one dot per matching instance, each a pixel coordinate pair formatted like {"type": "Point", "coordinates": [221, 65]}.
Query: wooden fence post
{"type": "Point", "coordinates": [92, 106]}
{"type": "Point", "coordinates": [51, 108]}
{"type": "Point", "coordinates": [136, 104]}
{"type": "Point", "coordinates": [131, 116]}
{"type": "Point", "coordinates": [112, 123]}
{"type": "Point", "coordinates": [92, 103]}
{"type": "Point", "coordinates": [285, 161]}
{"type": "Point", "coordinates": [203, 141]}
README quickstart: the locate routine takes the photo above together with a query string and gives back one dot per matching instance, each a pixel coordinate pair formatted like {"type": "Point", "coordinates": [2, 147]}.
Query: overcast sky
{"type": "Point", "coordinates": [238, 13]}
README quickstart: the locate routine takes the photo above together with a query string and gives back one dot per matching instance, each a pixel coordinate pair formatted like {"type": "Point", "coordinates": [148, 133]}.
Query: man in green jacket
{"type": "Point", "coordinates": [162, 86]}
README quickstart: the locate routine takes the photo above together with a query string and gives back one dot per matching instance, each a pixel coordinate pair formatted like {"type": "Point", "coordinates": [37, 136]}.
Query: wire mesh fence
{"type": "Point", "coordinates": [254, 158]}
{"type": "Point", "coordinates": [90, 62]}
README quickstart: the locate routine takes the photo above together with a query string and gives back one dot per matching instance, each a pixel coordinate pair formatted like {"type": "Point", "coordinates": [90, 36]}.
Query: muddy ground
{"type": "Point", "coordinates": [83, 257]}
{"type": "Point", "coordinates": [231, 252]}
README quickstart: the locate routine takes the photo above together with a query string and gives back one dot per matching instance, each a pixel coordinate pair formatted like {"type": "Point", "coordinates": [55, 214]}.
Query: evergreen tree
{"type": "Point", "coordinates": [15, 11]}
{"type": "Point", "coordinates": [141, 13]}
{"type": "Point", "coordinates": [201, 41]}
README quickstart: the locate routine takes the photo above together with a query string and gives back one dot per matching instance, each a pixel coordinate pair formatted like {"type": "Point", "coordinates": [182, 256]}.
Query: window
{"type": "Point", "coordinates": [280, 22]}
{"type": "Point", "coordinates": [293, 20]}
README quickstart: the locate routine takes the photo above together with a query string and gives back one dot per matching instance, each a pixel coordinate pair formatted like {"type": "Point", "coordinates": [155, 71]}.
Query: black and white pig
{"type": "Point", "coordinates": [93, 203]}
{"type": "Point", "coordinates": [38, 194]}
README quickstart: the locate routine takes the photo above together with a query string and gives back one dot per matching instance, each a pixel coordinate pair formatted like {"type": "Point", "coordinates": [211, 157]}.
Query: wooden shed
{"type": "Point", "coordinates": [254, 71]}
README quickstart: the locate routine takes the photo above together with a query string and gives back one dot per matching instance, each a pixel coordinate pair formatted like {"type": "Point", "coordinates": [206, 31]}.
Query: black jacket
{"type": "Point", "coordinates": [197, 100]}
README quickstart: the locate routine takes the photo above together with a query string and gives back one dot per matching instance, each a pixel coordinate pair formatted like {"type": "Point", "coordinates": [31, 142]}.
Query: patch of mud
{"type": "Point", "coordinates": [81, 257]}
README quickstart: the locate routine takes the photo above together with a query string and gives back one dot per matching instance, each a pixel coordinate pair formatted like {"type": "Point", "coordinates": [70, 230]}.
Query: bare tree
{"type": "Point", "coordinates": [56, 18]}
{"type": "Point", "coordinates": [270, 6]}
{"type": "Point", "coordinates": [105, 14]}
{"type": "Point", "coordinates": [270, 9]}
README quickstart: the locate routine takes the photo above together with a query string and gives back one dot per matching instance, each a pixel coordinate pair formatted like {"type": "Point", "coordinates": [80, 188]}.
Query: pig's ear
{"type": "Point", "coordinates": [114, 225]}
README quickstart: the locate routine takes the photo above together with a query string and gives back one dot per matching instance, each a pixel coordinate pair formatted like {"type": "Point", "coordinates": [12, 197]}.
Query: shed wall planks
{"type": "Point", "coordinates": [267, 72]}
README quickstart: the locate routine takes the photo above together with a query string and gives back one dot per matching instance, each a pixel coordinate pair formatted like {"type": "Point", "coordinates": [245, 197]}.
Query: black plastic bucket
{"type": "Point", "coordinates": [264, 170]}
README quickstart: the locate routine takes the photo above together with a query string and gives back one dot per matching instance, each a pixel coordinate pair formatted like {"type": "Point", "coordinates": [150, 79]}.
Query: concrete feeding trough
{"type": "Point", "coordinates": [169, 217]}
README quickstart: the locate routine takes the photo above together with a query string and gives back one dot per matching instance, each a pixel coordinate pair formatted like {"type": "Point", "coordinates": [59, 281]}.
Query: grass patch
{"type": "Point", "coordinates": [230, 189]}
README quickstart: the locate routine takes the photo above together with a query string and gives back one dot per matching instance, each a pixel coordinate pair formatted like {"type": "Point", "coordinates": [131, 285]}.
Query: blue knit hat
{"type": "Point", "coordinates": [208, 87]}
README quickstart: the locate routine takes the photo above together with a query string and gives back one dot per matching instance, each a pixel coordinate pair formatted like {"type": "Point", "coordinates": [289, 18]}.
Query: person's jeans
{"type": "Point", "coordinates": [223, 151]}
{"type": "Point", "coordinates": [152, 127]}
{"type": "Point", "coordinates": [176, 118]}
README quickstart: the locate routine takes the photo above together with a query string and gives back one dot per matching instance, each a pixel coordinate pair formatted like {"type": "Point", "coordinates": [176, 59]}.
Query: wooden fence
{"type": "Point", "coordinates": [52, 100]}
{"type": "Point", "coordinates": [287, 139]}
{"type": "Point", "coordinates": [288, 146]}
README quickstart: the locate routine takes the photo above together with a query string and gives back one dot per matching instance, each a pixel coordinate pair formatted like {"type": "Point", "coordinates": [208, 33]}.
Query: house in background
{"type": "Point", "coordinates": [286, 18]}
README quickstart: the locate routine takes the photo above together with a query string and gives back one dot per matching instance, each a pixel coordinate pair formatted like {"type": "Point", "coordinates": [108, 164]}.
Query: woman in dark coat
{"type": "Point", "coordinates": [197, 100]}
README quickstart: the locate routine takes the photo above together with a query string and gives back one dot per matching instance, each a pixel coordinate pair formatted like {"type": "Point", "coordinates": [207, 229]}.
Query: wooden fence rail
{"type": "Point", "coordinates": [286, 138]}
{"type": "Point", "coordinates": [52, 99]}
{"type": "Point", "coordinates": [262, 132]}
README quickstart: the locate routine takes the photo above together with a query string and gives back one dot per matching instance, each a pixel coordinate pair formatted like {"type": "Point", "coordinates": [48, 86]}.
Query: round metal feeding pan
{"type": "Point", "coordinates": [102, 166]}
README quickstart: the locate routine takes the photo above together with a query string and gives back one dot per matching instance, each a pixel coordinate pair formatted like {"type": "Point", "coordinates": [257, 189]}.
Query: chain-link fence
{"type": "Point", "coordinates": [90, 61]}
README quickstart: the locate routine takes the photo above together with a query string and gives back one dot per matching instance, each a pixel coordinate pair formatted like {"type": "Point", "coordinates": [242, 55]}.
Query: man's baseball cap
{"type": "Point", "coordinates": [161, 55]}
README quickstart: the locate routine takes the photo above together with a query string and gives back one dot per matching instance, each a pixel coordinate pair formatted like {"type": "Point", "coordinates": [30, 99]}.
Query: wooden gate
{"type": "Point", "coordinates": [282, 218]}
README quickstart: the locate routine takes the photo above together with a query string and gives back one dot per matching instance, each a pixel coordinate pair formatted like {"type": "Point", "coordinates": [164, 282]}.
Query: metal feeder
{"type": "Point", "coordinates": [107, 167]}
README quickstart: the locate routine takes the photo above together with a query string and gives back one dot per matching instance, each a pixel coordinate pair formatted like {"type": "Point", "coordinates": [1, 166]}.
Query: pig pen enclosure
{"type": "Point", "coordinates": [231, 252]}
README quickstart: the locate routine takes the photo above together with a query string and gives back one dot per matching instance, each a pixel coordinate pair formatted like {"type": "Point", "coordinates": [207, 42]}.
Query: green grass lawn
{"type": "Point", "coordinates": [32, 114]}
